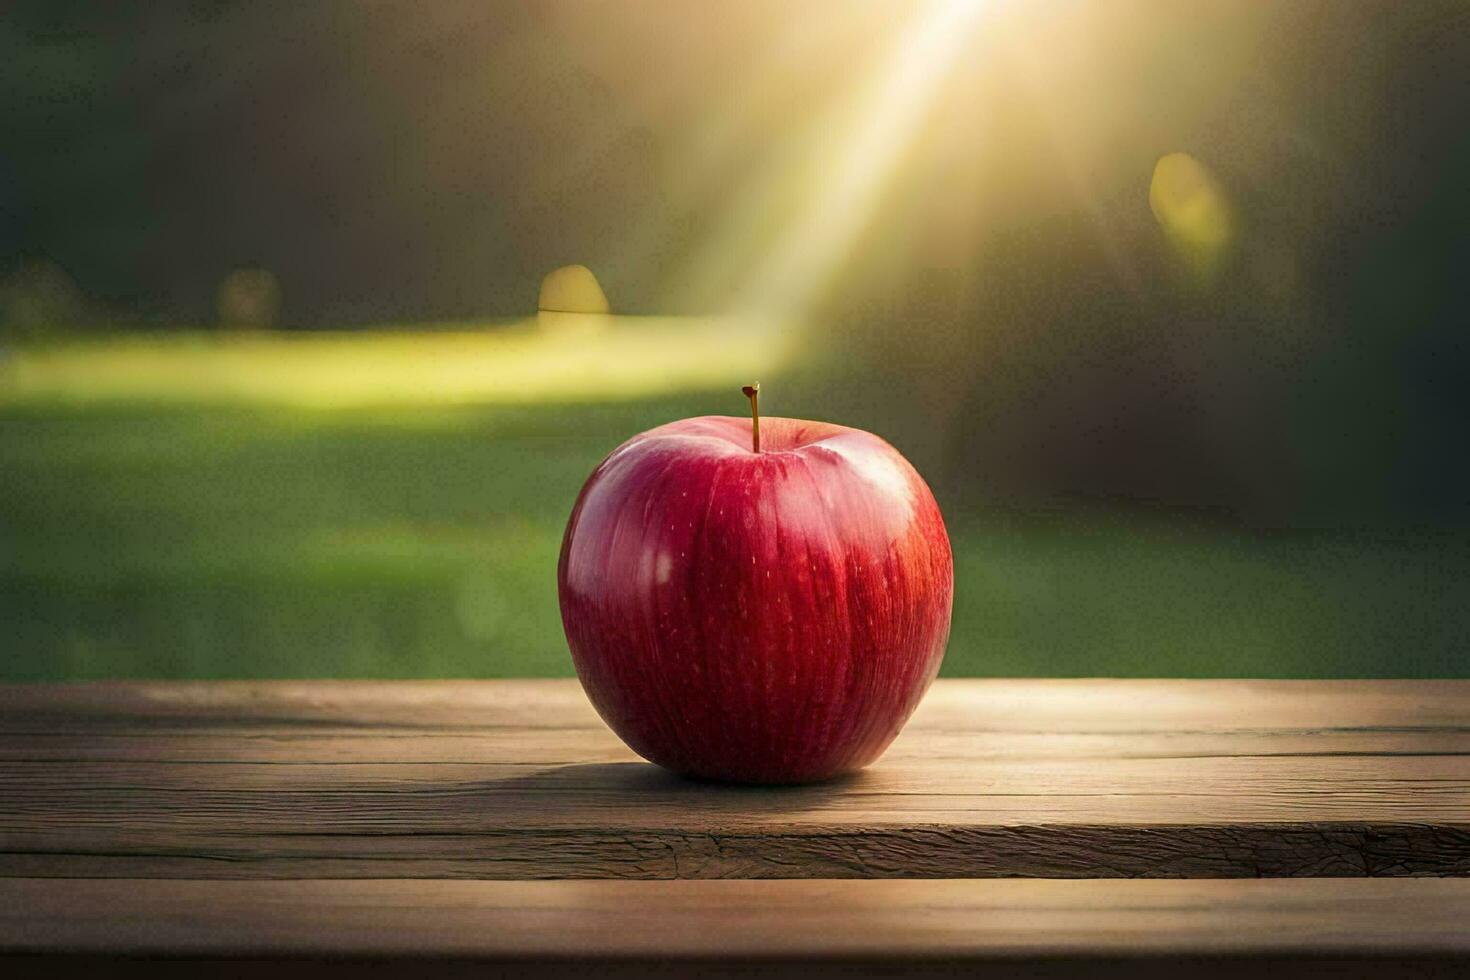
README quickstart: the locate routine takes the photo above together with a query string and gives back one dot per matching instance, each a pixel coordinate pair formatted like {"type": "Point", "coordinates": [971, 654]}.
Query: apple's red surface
{"type": "Point", "coordinates": [756, 617]}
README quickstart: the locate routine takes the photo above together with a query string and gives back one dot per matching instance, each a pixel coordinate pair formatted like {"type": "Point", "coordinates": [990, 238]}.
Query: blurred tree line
{"type": "Point", "coordinates": [1027, 299]}
{"type": "Point", "coordinates": [384, 162]}
{"type": "Point", "coordinates": [1058, 339]}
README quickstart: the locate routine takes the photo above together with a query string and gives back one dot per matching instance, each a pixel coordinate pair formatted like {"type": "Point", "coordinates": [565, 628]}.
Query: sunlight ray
{"type": "Point", "coordinates": [887, 114]}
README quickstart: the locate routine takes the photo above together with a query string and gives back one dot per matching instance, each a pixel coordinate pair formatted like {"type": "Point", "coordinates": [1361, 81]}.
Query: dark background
{"type": "Point", "coordinates": [1010, 309]}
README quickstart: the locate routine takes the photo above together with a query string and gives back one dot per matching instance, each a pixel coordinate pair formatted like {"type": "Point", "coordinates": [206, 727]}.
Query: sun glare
{"type": "Point", "coordinates": [880, 125]}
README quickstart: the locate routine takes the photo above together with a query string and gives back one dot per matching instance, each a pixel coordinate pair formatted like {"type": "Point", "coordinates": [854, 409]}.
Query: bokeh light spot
{"type": "Point", "coordinates": [249, 298]}
{"type": "Point", "coordinates": [572, 289]}
{"type": "Point", "coordinates": [1194, 211]}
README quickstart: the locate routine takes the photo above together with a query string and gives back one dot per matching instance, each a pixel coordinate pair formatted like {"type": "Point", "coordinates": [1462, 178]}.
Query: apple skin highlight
{"type": "Point", "coordinates": [760, 617]}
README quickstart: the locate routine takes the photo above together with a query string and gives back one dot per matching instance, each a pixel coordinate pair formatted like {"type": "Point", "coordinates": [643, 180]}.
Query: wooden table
{"type": "Point", "coordinates": [271, 824]}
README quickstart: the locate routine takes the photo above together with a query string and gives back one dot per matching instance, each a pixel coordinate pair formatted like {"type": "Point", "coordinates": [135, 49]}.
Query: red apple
{"type": "Point", "coordinates": [768, 616]}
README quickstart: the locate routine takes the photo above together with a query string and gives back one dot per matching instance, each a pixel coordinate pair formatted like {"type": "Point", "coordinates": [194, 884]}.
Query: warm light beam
{"type": "Point", "coordinates": [886, 117]}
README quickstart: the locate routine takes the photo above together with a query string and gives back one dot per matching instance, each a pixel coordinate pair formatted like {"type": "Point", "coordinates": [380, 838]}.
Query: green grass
{"type": "Point", "coordinates": [260, 538]}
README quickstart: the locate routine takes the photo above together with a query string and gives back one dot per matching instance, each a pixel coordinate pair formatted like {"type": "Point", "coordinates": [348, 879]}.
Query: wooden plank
{"type": "Point", "coordinates": [519, 779]}
{"type": "Point", "coordinates": [1045, 706]}
{"type": "Point", "coordinates": [1012, 922]}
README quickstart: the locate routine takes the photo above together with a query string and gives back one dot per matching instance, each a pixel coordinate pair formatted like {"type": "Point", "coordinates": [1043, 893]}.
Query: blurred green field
{"type": "Point", "coordinates": [215, 532]}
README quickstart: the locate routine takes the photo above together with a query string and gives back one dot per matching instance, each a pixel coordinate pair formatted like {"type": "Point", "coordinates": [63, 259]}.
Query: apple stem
{"type": "Point", "coordinates": [753, 392]}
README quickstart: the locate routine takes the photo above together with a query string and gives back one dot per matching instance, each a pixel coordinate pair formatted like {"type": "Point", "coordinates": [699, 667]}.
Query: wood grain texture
{"type": "Point", "coordinates": [519, 779]}
{"type": "Point", "coordinates": [735, 918]}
